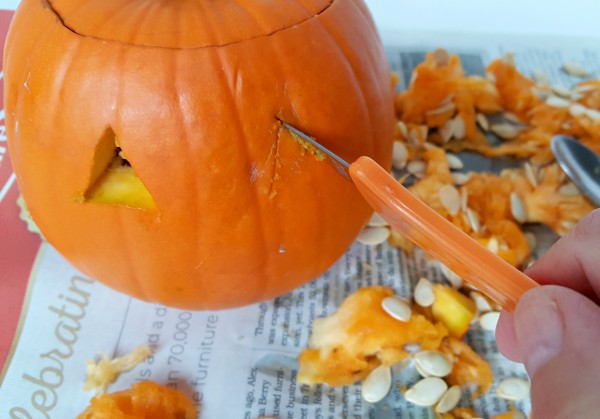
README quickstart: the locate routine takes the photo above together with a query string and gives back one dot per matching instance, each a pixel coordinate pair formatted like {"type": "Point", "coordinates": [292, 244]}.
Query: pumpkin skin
{"type": "Point", "coordinates": [191, 91]}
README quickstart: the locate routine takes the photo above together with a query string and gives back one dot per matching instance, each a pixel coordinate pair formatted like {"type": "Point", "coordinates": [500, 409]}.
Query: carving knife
{"type": "Point", "coordinates": [437, 236]}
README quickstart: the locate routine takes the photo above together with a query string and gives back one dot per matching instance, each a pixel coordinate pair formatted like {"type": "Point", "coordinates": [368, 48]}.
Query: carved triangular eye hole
{"type": "Point", "coordinates": [113, 180]}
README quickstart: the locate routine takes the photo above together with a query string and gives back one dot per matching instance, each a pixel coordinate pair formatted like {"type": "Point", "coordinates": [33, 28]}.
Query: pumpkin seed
{"type": "Point", "coordinates": [569, 189]}
{"type": "Point", "coordinates": [450, 198]}
{"type": "Point", "coordinates": [531, 174]}
{"type": "Point", "coordinates": [372, 236]}
{"type": "Point", "coordinates": [412, 347]}
{"type": "Point", "coordinates": [567, 225]}
{"type": "Point", "coordinates": [377, 384]}
{"type": "Point", "coordinates": [575, 70]}
{"type": "Point", "coordinates": [493, 245]}
{"type": "Point", "coordinates": [576, 110]}
{"type": "Point", "coordinates": [482, 303]}
{"type": "Point", "coordinates": [558, 102]}
{"type": "Point", "coordinates": [446, 107]}
{"type": "Point", "coordinates": [541, 94]}
{"type": "Point", "coordinates": [505, 131]}
{"type": "Point", "coordinates": [458, 127]}
{"type": "Point", "coordinates": [421, 372]}
{"type": "Point", "coordinates": [449, 400]}
{"type": "Point", "coordinates": [517, 208]}
{"type": "Point", "coordinates": [576, 96]}
{"type": "Point", "coordinates": [460, 178]}
{"type": "Point", "coordinates": [514, 388]}
{"type": "Point", "coordinates": [509, 59]}
{"type": "Point", "coordinates": [413, 136]}
{"type": "Point", "coordinates": [482, 121]}
{"type": "Point", "coordinates": [377, 221]}
{"type": "Point", "coordinates": [397, 308]}
{"type": "Point", "coordinates": [464, 199]}
{"type": "Point", "coordinates": [455, 280]}
{"type": "Point", "coordinates": [593, 114]}
{"type": "Point", "coordinates": [585, 88]}
{"type": "Point", "coordinates": [561, 91]}
{"type": "Point", "coordinates": [441, 57]}
{"type": "Point", "coordinates": [539, 77]}
{"type": "Point", "coordinates": [416, 167]}
{"type": "Point", "coordinates": [426, 392]}
{"type": "Point", "coordinates": [403, 129]}
{"type": "Point", "coordinates": [489, 320]}
{"type": "Point", "coordinates": [473, 219]}
{"type": "Point", "coordinates": [399, 155]}
{"type": "Point", "coordinates": [423, 293]}
{"type": "Point", "coordinates": [454, 162]}
{"type": "Point", "coordinates": [433, 363]}
{"type": "Point", "coordinates": [511, 117]}
{"type": "Point", "coordinates": [446, 131]}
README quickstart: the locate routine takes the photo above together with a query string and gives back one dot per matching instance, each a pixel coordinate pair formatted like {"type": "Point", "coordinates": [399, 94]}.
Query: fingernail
{"type": "Point", "coordinates": [539, 330]}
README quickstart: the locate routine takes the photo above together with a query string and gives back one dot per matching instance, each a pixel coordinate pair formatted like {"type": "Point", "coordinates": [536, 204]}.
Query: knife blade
{"type": "Point", "coordinates": [437, 236]}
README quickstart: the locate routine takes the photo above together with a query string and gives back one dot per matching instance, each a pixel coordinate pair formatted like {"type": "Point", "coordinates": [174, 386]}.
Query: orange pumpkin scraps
{"type": "Point", "coordinates": [438, 87]}
{"type": "Point", "coordinates": [361, 336]}
{"type": "Point", "coordinates": [511, 414]}
{"type": "Point", "coordinates": [346, 346]}
{"type": "Point", "coordinates": [515, 90]}
{"type": "Point", "coordinates": [144, 400]}
{"type": "Point", "coordinates": [455, 111]}
{"type": "Point", "coordinates": [546, 111]}
{"type": "Point", "coordinates": [459, 413]}
{"type": "Point", "coordinates": [453, 309]}
{"type": "Point", "coordinates": [104, 372]}
{"type": "Point", "coordinates": [484, 206]}
{"type": "Point", "coordinates": [553, 200]}
{"type": "Point", "coordinates": [468, 367]}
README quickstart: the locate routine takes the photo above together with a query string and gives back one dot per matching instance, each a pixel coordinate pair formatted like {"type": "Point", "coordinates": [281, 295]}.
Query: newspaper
{"type": "Point", "coordinates": [242, 363]}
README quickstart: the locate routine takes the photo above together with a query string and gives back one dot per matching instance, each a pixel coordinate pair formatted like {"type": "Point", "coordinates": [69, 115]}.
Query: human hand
{"type": "Point", "coordinates": [555, 329]}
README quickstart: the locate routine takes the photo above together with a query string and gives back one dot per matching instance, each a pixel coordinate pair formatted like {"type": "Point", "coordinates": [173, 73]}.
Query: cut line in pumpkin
{"type": "Point", "coordinates": [236, 25]}
{"type": "Point", "coordinates": [113, 180]}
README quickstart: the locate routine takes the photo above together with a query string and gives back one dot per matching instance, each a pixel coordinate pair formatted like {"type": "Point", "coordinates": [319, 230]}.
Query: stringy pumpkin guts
{"type": "Point", "coordinates": [106, 371]}
{"type": "Point", "coordinates": [445, 110]}
{"type": "Point", "coordinates": [361, 336]}
{"type": "Point", "coordinates": [144, 400]}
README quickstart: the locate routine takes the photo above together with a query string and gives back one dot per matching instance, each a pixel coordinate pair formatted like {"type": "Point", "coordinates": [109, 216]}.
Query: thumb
{"type": "Point", "coordinates": [557, 333]}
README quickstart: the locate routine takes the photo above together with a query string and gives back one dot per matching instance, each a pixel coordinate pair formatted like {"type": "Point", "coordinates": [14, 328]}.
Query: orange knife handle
{"type": "Point", "coordinates": [437, 236]}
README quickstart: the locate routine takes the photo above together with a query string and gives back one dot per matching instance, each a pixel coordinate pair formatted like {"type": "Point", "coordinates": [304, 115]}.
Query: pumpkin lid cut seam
{"type": "Point", "coordinates": [184, 24]}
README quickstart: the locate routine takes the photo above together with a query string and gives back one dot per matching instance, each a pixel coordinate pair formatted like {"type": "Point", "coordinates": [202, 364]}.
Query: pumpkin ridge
{"type": "Point", "coordinates": [47, 4]}
{"type": "Point", "coordinates": [236, 121]}
{"type": "Point", "coordinates": [187, 121]}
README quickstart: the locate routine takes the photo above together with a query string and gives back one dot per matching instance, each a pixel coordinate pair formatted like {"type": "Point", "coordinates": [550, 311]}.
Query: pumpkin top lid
{"type": "Point", "coordinates": [183, 23]}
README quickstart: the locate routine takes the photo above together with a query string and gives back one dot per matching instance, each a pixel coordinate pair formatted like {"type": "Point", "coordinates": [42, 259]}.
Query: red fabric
{"type": "Point", "coordinates": [18, 247]}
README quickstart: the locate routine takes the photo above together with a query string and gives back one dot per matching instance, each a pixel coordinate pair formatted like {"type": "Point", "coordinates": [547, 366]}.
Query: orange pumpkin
{"type": "Point", "coordinates": [173, 104]}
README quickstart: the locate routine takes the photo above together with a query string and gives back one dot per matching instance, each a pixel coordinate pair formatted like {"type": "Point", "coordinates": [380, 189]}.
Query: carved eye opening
{"type": "Point", "coordinates": [113, 180]}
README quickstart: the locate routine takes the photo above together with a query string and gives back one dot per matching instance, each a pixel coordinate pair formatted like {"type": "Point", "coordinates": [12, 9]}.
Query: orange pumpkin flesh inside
{"type": "Point", "coordinates": [191, 91]}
